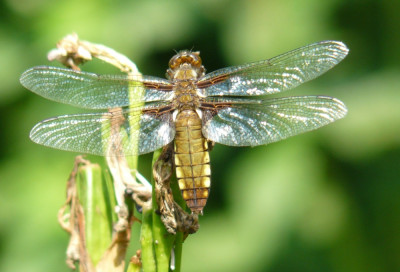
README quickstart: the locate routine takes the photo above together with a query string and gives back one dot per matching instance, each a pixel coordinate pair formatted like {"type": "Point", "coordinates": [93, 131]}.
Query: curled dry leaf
{"type": "Point", "coordinates": [75, 224]}
{"type": "Point", "coordinates": [71, 51]}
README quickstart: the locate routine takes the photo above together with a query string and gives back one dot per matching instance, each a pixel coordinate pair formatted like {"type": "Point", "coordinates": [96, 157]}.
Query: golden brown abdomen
{"type": "Point", "coordinates": [192, 160]}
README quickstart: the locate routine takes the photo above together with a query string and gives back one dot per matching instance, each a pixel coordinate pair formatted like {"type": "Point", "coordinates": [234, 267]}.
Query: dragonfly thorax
{"type": "Point", "coordinates": [186, 96]}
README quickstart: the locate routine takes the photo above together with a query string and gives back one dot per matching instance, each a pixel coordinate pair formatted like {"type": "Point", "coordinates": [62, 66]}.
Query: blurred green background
{"type": "Point", "coordinates": [328, 200]}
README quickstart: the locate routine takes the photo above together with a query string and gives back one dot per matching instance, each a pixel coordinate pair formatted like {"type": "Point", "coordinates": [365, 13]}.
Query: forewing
{"type": "Point", "coordinates": [127, 132]}
{"type": "Point", "coordinates": [277, 74]}
{"type": "Point", "coordinates": [258, 122]}
{"type": "Point", "coordinates": [92, 91]}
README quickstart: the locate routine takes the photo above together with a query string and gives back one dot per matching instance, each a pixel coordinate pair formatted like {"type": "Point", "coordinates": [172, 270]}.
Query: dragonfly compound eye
{"type": "Point", "coordinates": [192, 58]}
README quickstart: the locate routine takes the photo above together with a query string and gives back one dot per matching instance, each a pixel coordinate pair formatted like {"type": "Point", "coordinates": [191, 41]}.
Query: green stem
{"type": "Point", "coordinates": [178, 251]}
{"type": "Point", "coordinates": [179, 235]}
{"type": "Point", "coordinates": [146, 240]}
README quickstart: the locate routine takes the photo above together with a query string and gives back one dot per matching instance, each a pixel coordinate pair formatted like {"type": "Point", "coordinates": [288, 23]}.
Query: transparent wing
{"type": "Point", "coordinates": [128, 130]}
{"type": "Point", "coordinates": [258, 122]}
{"type": "Point", "coordinates": [92, 91]}
{"type": "Point", "coordinates": [277, 74]}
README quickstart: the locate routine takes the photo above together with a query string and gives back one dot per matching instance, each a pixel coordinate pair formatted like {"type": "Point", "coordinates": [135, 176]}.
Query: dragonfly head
{"type": "Point", "coordinates": [185, 65]}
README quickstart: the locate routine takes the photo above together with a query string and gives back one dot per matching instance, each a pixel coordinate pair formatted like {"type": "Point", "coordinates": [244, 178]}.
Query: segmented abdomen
{"type": "Point", "coordinates": [192, 160]}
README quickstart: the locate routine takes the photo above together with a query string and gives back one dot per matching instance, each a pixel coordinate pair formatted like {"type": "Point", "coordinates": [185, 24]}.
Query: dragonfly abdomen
{"type": "Point", "coordinates": [192, 160]}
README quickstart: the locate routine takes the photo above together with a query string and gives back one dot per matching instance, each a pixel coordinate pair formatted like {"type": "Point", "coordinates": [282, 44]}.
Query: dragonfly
{"type": "Point", "coordinates": [192, 109]}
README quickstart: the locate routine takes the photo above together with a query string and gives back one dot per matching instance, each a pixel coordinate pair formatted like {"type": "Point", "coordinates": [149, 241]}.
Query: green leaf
{"type": "Point", "coordinates": [97, 202]}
